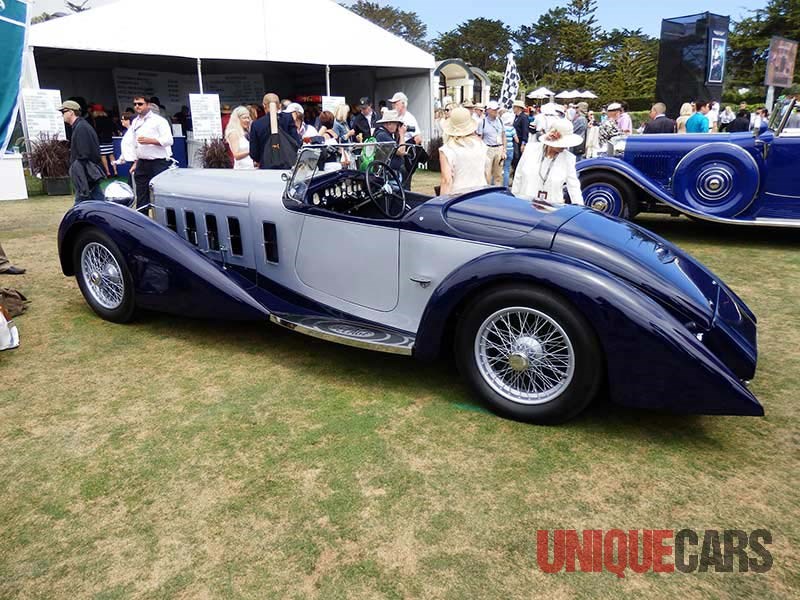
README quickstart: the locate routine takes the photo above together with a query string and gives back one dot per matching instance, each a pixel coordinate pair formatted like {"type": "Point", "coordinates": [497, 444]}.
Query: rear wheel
{"type": "Point", "coordinates": [103, 276]}
{"type": "Point", "coordinates": [529, 354]}
{"type": "Point", "coordinates": [609, 193]}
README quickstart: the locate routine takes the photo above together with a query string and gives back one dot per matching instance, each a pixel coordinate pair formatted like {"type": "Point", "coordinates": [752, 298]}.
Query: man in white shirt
{"type": "Point", "coordinates": [153, 138]}
{"type": "Point", "coordinates": [492, 132]}
{"type": "Point", "coordinates": [412, 133]}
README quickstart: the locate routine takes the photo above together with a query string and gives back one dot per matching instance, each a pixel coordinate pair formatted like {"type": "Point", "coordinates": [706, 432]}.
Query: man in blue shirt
{"type": "Point", "coordinates": [698, 122]}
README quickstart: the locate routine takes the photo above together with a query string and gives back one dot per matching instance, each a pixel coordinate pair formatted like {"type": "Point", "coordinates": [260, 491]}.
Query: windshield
{"type": "Point", "coordinates": [780, 113]}
{"type": "Point", "coordinates": [314, 158]}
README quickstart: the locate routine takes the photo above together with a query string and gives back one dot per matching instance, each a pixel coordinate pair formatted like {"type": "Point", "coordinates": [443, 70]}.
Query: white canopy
{"type": "Point", "coordinates": [252, 30]}
{"type": "Point", "coordinates": [541, 92]}
{"type": "Point", "coordinates": [587, 94]}
{"type": "Point", "coordinates": [567, 95]}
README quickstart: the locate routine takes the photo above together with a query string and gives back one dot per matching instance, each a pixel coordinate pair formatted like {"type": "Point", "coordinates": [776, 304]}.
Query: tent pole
{"type": "Point", "coordinates": [200, 75]}
{"type": "Point", "coordinates": [327, 80]}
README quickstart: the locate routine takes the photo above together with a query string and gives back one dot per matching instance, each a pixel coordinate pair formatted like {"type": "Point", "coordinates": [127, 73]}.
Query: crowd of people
{"type": "Point", "coordinates": [537, 147]}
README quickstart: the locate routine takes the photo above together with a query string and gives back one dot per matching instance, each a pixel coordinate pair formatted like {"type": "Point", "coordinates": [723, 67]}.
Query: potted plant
{"type": "Point", "coordinates": [214, 154]}
{"type": "Point", "coordinates": [49, 158]}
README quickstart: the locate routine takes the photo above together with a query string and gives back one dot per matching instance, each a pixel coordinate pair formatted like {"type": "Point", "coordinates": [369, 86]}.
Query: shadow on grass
{"type": "Point", "coordinates": [717, 233]}
{"type": "Point", "coordinates": [440, 378]}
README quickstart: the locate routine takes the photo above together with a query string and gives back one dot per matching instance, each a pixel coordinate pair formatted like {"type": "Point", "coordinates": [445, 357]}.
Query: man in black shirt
{"type": "Point", "coordinates": [364, 121]}
{"type": "Point", "coordinates": [84, 155]}
{"type": "Point", "coordinates": [521, 131]}
{"type": "Point", "coordinates": [659, 122]}
{"type": "Point", "coordinates": [261, 137]}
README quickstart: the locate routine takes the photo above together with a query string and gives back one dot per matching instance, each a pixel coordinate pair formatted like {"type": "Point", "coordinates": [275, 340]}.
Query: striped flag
{"type": "Point", "coordinates": [510, 83]}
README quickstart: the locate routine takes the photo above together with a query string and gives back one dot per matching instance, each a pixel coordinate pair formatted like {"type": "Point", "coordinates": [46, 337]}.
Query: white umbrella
{"type": "Point", "coordinates": [575, 94]}
{"type": "Point", "coordinates": [541, 92]}
{"type": "Point", "coordinates": [588, 94]}
{"type": "Point", "coordinates": [565, 95]}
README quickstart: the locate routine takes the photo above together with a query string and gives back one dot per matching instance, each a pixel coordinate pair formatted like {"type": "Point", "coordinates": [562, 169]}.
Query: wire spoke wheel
{"type": "Point", "coordinates": [524, 355]}
{"type": "Point", "coordinates": [102, 276]}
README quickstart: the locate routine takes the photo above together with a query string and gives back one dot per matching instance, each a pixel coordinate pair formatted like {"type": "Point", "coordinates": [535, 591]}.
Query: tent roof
{"type": "Point", "coordinates": [254, 30]}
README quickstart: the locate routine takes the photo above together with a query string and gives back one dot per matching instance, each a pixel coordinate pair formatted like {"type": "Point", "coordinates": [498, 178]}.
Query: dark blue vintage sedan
{"type": "Point", "coordinates": [737, 178]}
{"type": "Point", "coordinates": [542, 306]}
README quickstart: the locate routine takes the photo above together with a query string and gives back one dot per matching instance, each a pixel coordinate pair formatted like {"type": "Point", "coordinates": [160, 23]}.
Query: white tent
{"type": "Point", "coordinates": [303, 47]}
{"type": "Point", "coordinates": [588, 95]}
{"type": "Point", "coordinates": [540, 93]}
{"type": "Point", "coordinates": [253, 30]}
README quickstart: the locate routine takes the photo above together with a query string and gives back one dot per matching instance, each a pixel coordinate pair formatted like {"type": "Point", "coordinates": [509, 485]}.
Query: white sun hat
{"type": "Point", "coordinates": [561, 135]}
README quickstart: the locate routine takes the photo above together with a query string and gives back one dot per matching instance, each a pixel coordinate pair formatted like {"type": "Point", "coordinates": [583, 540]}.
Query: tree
{"type": "Point", "coordinates": [539, 44]}
{"type": "Point", "coordinates": [629, 65]}
{"type": "Point", "coordinates": [72, 6]}
{"type": "Point", "coordinates": [484, 43]}
{"type": "Point", "coordinates": [582, 39]}
{"type": "Point", "coordinates": [405, 24]}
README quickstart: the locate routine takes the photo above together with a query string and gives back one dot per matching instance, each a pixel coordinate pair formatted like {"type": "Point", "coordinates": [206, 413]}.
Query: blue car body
{"type": "Point", "coordinates": [735, 178]}
{"type": "Point", "coordinates": [673, 335]}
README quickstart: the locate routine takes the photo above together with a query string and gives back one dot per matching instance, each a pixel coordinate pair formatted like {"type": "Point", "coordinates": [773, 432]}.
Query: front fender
{"type": "Point", "coordinates": [653, 361]}
{"type": "Point", "coordinates": [169, 274]}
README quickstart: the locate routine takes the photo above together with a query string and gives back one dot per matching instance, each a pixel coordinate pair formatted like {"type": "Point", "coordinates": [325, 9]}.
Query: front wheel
{"type": "Point", "coordinates": [103, 276]}
{"type": "Point", "coordinates": [609, 193]}
{"type": "Point", "coordinates": [529, 354]}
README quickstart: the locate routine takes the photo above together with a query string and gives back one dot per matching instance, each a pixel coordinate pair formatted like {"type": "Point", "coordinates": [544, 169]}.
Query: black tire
{"type": "Point", "coordinates": [630, 204]}
{"type": "Point", "coordinates": [577, 390]}
{"type": "Point", "coordinates": [117, 312]}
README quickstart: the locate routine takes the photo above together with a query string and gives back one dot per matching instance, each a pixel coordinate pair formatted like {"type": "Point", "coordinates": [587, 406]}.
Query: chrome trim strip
{"type": "Point", "coordinates": [781, 195]}
{"type": "Point", "coordinates": [340, 339]}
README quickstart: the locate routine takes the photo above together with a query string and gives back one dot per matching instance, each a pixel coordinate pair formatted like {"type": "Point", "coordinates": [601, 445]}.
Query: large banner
{"type": "Point", "coordinates": [14, 19]}
{"type": "Point", "coordinates": [780, 66]}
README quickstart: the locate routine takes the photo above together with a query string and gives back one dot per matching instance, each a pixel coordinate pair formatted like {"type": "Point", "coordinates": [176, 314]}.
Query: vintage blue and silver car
{"type": "Point", "coordinates": [737, 178]}
{"type": "Point", "coordinates": [543, 306]}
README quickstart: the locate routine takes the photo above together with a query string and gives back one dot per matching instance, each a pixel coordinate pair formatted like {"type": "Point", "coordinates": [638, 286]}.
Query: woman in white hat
{"type": "Point", "coordinates": [463, 155]}
{"type": "Point", "coordinates": [546, 168]}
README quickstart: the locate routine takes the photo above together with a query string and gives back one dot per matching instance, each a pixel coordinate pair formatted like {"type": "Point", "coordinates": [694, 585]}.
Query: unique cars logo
{"type": "Point", "coordinates": [642, 550]}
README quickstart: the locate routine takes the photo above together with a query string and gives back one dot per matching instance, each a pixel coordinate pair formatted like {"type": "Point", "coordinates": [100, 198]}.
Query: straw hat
{"type": "Point", "coordinates": [561, 135]}
{"type": "Point", "coordinates": [390, 116]}
{"type": "Point", "coordinates": [519, 104]}
{"type": "Point", "coordinates": [460, 123]}
{"type": "Point", "coordinates": [468, 104]}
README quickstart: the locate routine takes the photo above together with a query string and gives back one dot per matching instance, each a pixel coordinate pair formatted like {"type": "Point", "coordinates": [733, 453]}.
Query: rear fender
{"type": "Point", "coordinates": [653, 361]}
{"type": "Point", "coordinates": [170, 275]}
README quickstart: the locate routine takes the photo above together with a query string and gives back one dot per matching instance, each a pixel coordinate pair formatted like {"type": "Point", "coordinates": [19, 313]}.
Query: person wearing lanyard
{"type": "Point", "coordinates": [546, 168]}
{"type": "Point", "coordinates": [153, 138]}
{"type": "Point", "coordinates": [492, 131]}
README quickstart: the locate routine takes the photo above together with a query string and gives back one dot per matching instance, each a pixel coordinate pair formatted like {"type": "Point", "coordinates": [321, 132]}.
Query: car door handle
{"type": "Point", "coordinates": [422, 280]}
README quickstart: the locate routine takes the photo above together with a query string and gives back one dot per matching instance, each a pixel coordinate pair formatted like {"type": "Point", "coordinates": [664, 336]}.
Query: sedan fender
{"type": "Point", "coordinates": [170, 275]}
{"type": "Point", "coordinates": [653, 361]}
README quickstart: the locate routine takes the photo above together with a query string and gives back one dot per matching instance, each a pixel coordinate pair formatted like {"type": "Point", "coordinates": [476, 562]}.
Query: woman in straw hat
{"type": "Point", "coordinates": [463, 155]}
{"type": "Point", "coordinates": [546, 168]}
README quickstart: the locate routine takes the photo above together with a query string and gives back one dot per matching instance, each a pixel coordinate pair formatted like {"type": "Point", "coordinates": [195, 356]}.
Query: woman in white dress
{"type": "Point", "coordinates": [463, 155]}
{"type": "Point", "coordinates": [547, 167]}
{"type": "Point", "coordinates": [236, 134]}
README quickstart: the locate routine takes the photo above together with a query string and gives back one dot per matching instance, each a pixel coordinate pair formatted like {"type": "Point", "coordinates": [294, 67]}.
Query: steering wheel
{"type": "Point", "coordinates": [385, 190]}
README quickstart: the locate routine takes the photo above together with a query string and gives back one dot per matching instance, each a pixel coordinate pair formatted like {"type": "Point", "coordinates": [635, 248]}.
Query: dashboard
{"type": "Point", "coordinates": [342, 194]}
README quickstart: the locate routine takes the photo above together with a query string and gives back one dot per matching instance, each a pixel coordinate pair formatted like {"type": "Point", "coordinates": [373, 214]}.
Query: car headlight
{"type": "Point", "coordinates": [616, 146]}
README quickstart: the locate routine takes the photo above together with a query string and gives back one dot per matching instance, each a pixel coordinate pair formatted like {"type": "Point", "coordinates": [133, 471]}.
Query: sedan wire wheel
{"type": "Point", "coordinates": [524, 355]}
{"type": "Point", "coordinates": [102, 275]}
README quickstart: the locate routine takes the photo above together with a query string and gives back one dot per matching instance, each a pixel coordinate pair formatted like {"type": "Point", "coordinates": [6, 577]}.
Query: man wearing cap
{"type": "Point", "coordinates": [364, 122]}
{"type": "Point", "coordinates": [411, 132]}
{"type": "Point", "coordinates": [521, 130]}
{"type": "Point", "coordinates": [84, 154]}
{"type": "Point", "coordinates": [609, 127]}
{"type": "Point", "coordinates": [153, 138]}
{"type": "Point", "coordinates": [580, 125]}
{"type": "Point", "coordinates": [492, 132]}
{"type": "Point", "coordinates": [391, 129]}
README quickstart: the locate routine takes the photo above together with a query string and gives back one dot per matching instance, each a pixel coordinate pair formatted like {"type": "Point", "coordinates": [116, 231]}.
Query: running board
{"type": "Point", "coordinates": [349, 333]}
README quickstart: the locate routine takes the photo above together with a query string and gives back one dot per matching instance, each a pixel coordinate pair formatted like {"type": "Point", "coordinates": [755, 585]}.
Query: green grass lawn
{"type": "Point", "coordinates": [173, 458]}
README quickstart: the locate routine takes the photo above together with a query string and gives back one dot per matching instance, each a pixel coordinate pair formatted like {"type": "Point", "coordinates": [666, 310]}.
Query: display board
{"type": "Point", "coordinates": [780, 66]}
{"type": "Point", "coordinates": [206, 119]}
{"type": "Point", "coordinates": [691, 60]}
{"type": "Point", "coordinates": [40, 108]}
{"type": "Point", "coordinates": [173, 89]}
{"type": "Point", "coordinates": [331, 102]}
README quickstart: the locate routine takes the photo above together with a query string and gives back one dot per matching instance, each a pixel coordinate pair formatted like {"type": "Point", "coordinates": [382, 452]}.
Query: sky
{"type": "Point", "coordinates": [444, 15]}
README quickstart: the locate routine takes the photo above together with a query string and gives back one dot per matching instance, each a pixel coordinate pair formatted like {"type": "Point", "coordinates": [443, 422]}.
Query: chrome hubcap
{"type": "Point", "coordinates": [600, 205]}
{"type": "Point", "coordinates": [524, 355]}
{"type": "Point", "coordinates": [102, 275]}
